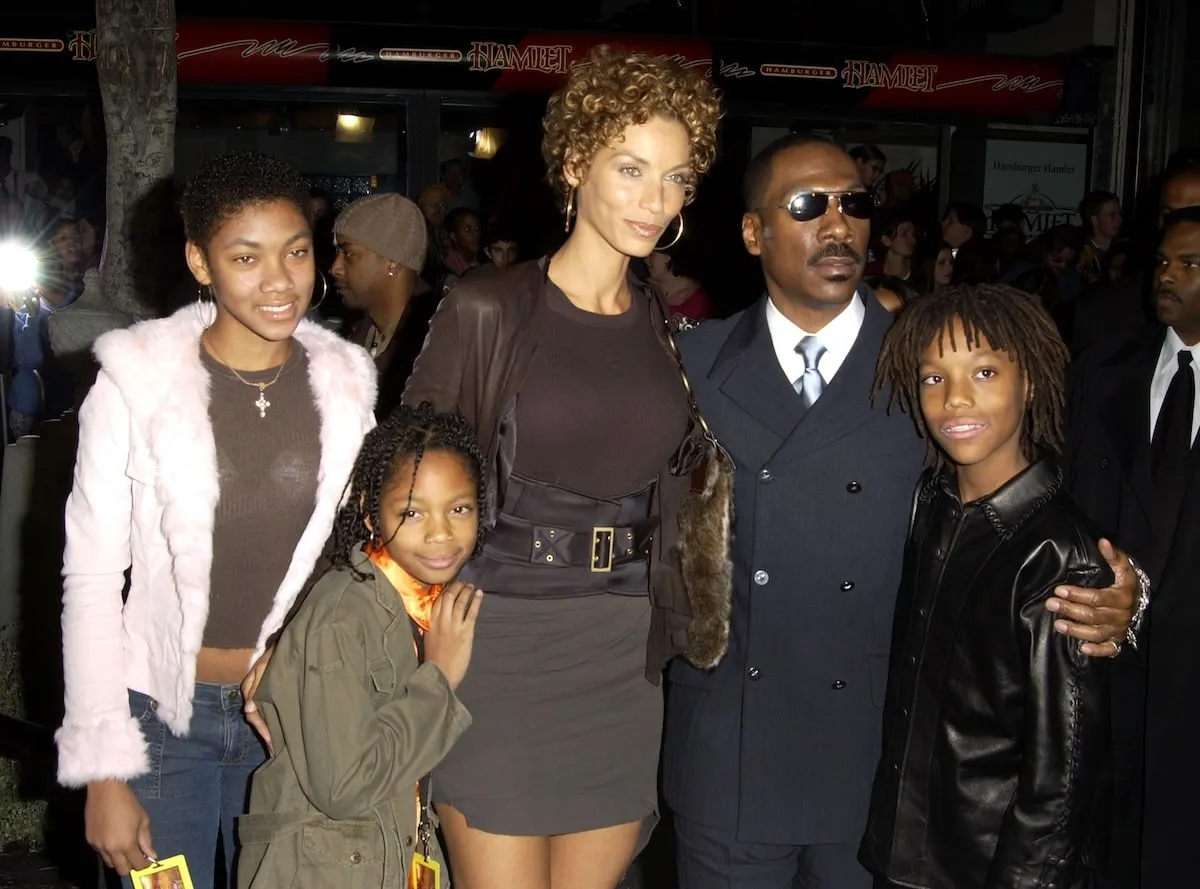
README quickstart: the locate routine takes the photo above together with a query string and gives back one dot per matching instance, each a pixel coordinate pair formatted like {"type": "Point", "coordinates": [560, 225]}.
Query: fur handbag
{"type": "Point", "coordinates": [705, 538]}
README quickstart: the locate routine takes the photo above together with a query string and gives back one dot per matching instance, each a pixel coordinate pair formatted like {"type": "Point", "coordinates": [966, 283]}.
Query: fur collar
{"type": "Point", "coordinates": [156, 366]}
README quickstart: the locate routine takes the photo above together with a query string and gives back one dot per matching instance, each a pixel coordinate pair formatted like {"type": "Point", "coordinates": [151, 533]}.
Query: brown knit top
{"type": "Point", "coordinates": [268, 468]}
{"type": "Point", "coordinates": [603, 408]}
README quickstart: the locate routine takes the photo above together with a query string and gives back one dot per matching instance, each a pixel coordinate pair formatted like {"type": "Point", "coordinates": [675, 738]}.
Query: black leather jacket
{"type": "Point", "coordinates": [995, 751]}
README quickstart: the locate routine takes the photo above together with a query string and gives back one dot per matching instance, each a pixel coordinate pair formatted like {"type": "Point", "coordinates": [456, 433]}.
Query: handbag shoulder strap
{"type": "Point", "coordinates": [697, 416]}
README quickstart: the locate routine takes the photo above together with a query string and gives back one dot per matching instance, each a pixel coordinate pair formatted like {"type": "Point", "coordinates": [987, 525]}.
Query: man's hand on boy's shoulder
{"type": "Point", "coordinates": [1099, 617]}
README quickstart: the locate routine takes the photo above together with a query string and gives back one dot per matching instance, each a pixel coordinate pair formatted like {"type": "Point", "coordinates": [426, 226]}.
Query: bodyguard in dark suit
{"type": "Point", "coordinates": [1133, 467]}
{"type": "Point", "coordinates": [769, 757]}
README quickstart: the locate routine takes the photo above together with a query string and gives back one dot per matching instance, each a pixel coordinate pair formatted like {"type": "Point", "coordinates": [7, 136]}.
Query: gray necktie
{"type": "Point", "coordinates": [810, 383]}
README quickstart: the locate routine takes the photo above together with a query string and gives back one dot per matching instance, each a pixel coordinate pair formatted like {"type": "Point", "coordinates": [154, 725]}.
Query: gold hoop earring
{"type": "Point", "coordinates": [678, 235]}
{"type": "Point", "coordinates": [570, 209]}
{"type": "Point", "coordinates": [206, 316]}
{"type": "Point", "coordinates": [324, 292]}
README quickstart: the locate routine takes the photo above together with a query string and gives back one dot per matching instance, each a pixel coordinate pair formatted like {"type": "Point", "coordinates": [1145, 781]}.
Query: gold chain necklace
{"type": "Point", "coordinates": [262, 404]}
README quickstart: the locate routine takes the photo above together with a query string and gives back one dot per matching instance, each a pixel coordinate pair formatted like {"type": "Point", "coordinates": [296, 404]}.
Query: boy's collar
{"type": "Point", "coordinates": [1010, 505]}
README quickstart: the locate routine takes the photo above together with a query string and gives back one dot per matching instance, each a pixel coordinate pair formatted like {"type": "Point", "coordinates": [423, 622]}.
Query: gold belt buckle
{"type": "Point", "coordinates": [602, 559]}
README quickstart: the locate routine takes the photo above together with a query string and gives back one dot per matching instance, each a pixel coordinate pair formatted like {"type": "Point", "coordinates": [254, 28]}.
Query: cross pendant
{"type": "Point", "coordinates": [262, 404]}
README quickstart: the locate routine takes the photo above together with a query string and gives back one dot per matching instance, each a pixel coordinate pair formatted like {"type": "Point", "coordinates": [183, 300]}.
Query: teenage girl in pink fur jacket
{"type": "Point", "coordinates": [213, 452]}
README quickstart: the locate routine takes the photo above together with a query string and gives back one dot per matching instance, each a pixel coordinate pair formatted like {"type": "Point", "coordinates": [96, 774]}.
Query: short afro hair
{"type": "Point", "coordinates": [758, 174]}
{"type": "Point", "coordinates": [228, 183]}
{"type": "Point", "coordinates": [613, 90]}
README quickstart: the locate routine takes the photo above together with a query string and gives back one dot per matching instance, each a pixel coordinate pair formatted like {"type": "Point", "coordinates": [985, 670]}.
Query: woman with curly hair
{"type": "Point", "coordinates": [563, 369]}
{"type": "Point", "coordinates": [214, 449]}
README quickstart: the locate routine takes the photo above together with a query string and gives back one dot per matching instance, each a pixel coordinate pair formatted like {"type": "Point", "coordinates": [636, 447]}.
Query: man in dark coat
{"type": "Point", "coordinates": [769, 757]}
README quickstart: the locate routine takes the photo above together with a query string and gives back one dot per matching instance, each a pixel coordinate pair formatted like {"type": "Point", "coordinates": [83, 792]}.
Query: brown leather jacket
{"type": "Point", "coordinates": [475, 361]}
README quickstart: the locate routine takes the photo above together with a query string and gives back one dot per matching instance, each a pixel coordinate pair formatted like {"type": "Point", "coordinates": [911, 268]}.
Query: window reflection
{"type": "Point", "coordinates": [490, 162]}
{"type": "Point", "coordinates": [345, 151]}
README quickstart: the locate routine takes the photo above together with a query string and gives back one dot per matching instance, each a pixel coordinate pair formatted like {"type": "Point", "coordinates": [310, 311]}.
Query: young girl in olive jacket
{"type": "Point", "coordinates": [359, 696]}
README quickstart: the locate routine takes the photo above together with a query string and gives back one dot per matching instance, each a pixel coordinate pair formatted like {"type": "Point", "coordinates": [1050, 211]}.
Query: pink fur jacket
{"type": "Point", "coordinates": [144, 497]}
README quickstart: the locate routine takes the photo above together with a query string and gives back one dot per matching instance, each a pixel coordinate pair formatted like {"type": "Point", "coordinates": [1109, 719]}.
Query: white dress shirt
{"type": "Point", "coordinates": [1168, 363]}
{"type": "Point", "coordinates": [837, 337]}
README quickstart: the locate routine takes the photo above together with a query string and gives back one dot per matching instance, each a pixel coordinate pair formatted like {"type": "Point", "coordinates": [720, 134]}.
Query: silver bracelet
{"type": "Point", "coordinates": [1143, 602]}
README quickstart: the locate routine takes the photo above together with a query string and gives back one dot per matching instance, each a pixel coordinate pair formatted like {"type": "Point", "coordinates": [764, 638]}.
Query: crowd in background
{"type": "Point", "coordinates": [915, 249]}
{"type": "Point", "coordinates": [58, 212]}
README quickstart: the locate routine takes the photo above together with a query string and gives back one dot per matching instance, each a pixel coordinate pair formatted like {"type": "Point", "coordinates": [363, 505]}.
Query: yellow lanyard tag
{"type": "Point", "coordinates": [166, 873]}
{"type": "Point", "coordinates": [425, 873]}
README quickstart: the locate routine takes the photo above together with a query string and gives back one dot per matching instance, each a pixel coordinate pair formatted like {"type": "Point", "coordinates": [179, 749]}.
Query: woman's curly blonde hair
{"type": "Point", "coordinates": [614, 89]}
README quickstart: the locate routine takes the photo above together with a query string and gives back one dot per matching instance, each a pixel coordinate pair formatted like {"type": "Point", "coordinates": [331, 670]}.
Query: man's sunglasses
{"type": "Point", "coordinates": [809, 205]}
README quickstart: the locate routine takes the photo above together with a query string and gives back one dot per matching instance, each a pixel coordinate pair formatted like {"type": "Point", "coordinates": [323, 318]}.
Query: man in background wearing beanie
{"type": "Point", "coordinates": [381, 243]}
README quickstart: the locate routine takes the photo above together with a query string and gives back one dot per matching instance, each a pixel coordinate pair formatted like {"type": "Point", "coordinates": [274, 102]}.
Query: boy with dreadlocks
{"type": "Point", "coordinates": [359, 708]}
{"type": "Point", "coordinates": [995, 726]}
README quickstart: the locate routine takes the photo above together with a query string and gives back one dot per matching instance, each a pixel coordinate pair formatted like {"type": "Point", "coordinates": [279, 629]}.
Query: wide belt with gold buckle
{"type": "Point", "coordinates": [598, 549]}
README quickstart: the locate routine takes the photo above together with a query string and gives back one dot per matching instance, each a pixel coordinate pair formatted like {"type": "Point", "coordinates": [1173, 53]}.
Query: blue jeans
{"type": "Point", "coordinates": [197, 786]}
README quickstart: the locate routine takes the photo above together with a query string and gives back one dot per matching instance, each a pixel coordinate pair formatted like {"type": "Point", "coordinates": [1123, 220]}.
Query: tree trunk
{"type": "Point", "coordinates": [135, 62]}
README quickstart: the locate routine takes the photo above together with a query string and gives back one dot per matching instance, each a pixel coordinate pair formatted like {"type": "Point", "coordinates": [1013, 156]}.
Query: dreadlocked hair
{"type": "Point", "coordinates": [404, 438]}
{"type": "Point", "coordinates": [1011, 321]}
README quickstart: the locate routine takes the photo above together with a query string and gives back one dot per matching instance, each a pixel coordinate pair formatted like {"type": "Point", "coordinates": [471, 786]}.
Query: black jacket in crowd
{"type": "Point", "coordinates": [995, 748]}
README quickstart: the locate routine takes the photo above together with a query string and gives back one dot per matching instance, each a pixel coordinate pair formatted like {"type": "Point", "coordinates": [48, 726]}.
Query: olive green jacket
{"type": "Point", "coordinates": [356, 722]}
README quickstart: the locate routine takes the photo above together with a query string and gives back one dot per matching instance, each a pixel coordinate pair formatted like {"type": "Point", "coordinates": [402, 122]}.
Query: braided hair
{"type": "Point", "coordinates": [1011, 321]}
{"type": "Point", "coordinates": [404, 437]}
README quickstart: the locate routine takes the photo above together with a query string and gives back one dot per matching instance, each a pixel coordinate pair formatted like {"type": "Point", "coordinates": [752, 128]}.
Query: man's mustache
{"type": "Point", "coordinates": [837, 251]}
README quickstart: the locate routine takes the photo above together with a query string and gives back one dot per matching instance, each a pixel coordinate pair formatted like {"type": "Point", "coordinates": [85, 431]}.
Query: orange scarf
{"type": "Point", "coordinates": [417, 600]}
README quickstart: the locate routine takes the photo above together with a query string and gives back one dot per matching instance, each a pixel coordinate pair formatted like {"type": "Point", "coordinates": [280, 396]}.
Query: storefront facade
{"type": "Point", "coordinates": [360, 107]}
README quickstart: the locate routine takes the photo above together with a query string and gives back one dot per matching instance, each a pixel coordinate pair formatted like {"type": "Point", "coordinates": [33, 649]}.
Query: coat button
{"type": "Point", "coordinates": [912, 659]}
{"type": "Point", "coordinates": [904, 712]}
{"type": "Point", "coordinates": [356, 858]}
{"type": "Point", "coordinates": [847, 586]}
{"type": "Point", "coordinates": [762, 578]}
{"type": "Point", "coordinates": [765, 476]}
{"type": "Point", "coordinates": [408, 841]}
{"type": "Point", "coordinates": [854, 487]}
{"type": "Point", "coordinates": [920, 612]}
{"type": "Point", "coordinates": [1104, 463]}
{"type": "Point", "coordinates": [754, 673]}
{"type": "Point", "coordinates": [939, 554]}
{"type": "Point", "coordinates": [838, 685]}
